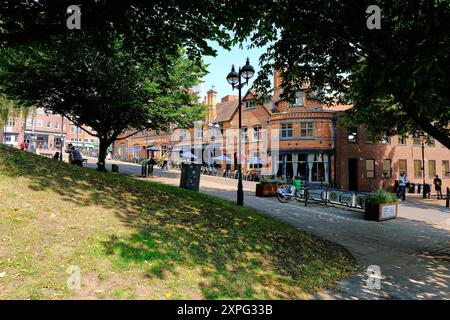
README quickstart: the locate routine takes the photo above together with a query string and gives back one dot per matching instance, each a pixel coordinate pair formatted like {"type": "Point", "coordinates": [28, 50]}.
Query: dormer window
{"type": "Point", "coordinates": [249, 105]}
{"type": "Point", "coordinates": [299, 99]}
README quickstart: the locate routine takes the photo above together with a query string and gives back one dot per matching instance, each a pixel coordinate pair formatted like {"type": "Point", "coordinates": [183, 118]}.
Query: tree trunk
{"type": "Point", "coordinates": [103, 149]}
{"type": "Point", "coordinates": [2, 135]}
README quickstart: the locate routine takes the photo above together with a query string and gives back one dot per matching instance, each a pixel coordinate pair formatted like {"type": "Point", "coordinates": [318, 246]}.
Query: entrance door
{"type": "Point", "coordinates": [353, 174]}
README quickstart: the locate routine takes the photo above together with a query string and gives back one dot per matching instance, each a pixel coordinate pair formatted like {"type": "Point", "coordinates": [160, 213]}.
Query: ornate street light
{"type": "Point", "coordinates": [235, 80]}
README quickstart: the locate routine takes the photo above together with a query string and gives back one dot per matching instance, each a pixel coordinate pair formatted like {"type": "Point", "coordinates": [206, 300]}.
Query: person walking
{"type": "Point", "coordinates": [165, 163]}
{"type": "Point", "coordinates": [438, 186]}
{"type": "Point", "coordinates": [402, 182]}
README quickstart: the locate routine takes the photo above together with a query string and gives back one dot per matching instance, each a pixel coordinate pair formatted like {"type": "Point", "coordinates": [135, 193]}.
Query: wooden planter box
{"type": "Point", "coordinates": [266, 189]}
{"type": "Point", "coordinates": [381, 212]}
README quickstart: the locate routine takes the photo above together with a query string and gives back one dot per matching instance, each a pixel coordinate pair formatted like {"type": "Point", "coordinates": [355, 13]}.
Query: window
{"type": "Point", "coordinates": [431, 168]}
{"type": "Point", "coordinates": [29, 122]}
{"type": "Point", "coordinates": [57, 125]}
{"type": "Point", "coordinates": [40, 110]}
{"type": "Point", "coordinates": [417, 168]}
{"type": "Point", "coordinates": [49, 124]}
{"type": "Point", "coordinates": [299, 99]}
{"type": "Point", "coordinates": [249, 105]}
{"type": "Point", "coordinates": [403, 167]}
{"type": "Point", "coordinates": [244, 133]}
{"type": "Point", "coordinates": [445, 169]}
{"type": "Point", "coordinates": [416, 139]}
{"type": "Point", "coordinates": [254, 154]}
{"type": "Point", "coordinates": [39, 123]}
{"type": "Point", "coordinates": [286, 130]}
{"type": "Point", "coordinates": [11, 122]}
{"type": "Point", "coordinates": [306, 129]}
{"type": "Point", "coordinates": [402, 140]}
{"type": "Point", "coordinates": [352, 135]}
{"type": "Point", "coordinates": [385, 139]}
{"type": "Point", "coordinates": [256, 133]}
{"type": "Point", "coordinates": [387, 173]}
{"type": "Point", "coordinates": [370, 168]}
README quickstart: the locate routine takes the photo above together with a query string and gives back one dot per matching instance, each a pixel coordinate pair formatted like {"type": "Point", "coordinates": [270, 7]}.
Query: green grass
{"type": "Point", "coordinates": [134, 239]}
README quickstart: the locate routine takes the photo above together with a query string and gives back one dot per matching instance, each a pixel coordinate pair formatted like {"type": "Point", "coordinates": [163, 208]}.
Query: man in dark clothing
{"type": "Point", "coordinates": [438, 186]}
{"type": "Point", "coordinates": [151, 163]}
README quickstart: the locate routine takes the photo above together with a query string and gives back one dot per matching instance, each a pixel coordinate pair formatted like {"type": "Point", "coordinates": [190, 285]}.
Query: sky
{"type": "Point", "coordinates": [220, 66]}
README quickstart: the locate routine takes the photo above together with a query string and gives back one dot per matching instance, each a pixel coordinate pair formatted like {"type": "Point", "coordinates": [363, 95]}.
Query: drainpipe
{"type": "Point", "coordinates": [334, 121]}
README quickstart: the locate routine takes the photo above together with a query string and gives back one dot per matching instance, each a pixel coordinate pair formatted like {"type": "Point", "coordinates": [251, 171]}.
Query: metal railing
{"type": "Point", "coordinates": [329, 196]}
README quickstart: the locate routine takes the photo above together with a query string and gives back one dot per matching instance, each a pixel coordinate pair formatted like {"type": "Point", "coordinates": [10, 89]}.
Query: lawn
{"type": "Point", "coordinates": [134, 239]}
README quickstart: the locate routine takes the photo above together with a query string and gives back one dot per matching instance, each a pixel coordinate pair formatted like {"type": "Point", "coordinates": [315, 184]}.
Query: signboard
{"type": "Point", "coordinates": [389, 212]}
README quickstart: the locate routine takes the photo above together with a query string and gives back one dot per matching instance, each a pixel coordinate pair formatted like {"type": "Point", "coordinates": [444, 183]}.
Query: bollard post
{"type": "Point", "coordinates": [306, 197]}
{"type": "Point", "coordinates": [447, 200]}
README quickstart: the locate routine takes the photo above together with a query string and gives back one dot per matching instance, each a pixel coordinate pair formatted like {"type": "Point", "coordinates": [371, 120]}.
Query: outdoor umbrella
{"type": "Point", "coordinates": [153, 148]}
{"type": "Point", "coordinates": [222, 158]}
{"type": "Point", "coordinates": [255, 160]}
{"type": "Point", "coordinates": [187, 154]}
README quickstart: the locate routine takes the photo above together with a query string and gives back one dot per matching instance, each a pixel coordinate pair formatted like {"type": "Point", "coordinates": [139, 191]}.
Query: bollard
{"type": "Point", "coordinates": [447, 200]}
{"type": "Point", "coordinates": [115, 168]}
{"type": "Point", "coordinates": [306, 197]}
{"type": "Point", "coordinates": [143, 170]}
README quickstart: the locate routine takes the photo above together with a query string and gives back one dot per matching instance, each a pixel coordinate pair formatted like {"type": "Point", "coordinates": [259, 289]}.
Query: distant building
{"type": "Point", "coordinates": [46, 132]}
{"type": "Point", "coordinates": [312, 143]}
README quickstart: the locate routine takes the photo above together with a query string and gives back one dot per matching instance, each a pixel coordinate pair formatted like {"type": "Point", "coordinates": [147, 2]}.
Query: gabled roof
{"type": "Point", "coordinates": [225, 111]}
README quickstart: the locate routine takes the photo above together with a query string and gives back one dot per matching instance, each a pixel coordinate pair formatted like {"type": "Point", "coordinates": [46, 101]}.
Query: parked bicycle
{"type": "Point", "coordinates": [286, 193]}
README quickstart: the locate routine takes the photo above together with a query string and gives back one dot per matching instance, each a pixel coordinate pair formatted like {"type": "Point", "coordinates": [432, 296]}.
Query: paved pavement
{"type": "Point", "coordinates": [412, 252]}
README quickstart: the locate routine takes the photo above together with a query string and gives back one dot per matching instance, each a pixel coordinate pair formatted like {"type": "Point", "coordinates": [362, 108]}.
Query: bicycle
{"type": "Point", "coordinates": [284, 194]}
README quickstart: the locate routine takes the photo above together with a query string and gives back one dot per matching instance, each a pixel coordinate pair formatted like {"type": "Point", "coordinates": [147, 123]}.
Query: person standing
{"type": "Point", "coordinates": [402, 182]}
{"type": "Point", "coordinates": [438, 186]}
{"type": "Point", "coordinates": [151, 163]}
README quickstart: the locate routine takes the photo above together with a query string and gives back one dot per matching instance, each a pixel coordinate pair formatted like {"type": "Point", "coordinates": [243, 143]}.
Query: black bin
{"type": "Point", "coordinates": [411, 188]}
{"type": "Point", "coordinates": [190, 176]}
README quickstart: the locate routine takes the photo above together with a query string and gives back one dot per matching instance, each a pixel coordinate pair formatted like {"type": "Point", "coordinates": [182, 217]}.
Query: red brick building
{"type": "Point", "coordinates": [363, 164]}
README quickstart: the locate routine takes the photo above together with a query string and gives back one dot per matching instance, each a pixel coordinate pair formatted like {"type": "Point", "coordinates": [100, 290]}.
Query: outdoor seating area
{"type": "Point", "coordinates": [230, 174]}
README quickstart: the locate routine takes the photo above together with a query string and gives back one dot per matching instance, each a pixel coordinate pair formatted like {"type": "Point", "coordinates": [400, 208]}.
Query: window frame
{"type": "Point", "coordinates": [389, 175]}
{"type": "Point", "coordinates": [372, 170]}
{"type": "Point", "coordinates": [288, 129]}
{"type": "Point", "coordinates": [307, 129]}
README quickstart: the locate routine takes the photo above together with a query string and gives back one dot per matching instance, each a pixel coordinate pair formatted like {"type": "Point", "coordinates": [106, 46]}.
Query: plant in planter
{"type": "Point", "coordinates": [381, 205]}
{"type": "Point", "coordinates": [266, 186]}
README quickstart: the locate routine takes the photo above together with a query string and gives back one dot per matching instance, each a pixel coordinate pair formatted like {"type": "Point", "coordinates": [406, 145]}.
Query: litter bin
{"type": "Point", "coordinates": [190, 176]}
{"type": "Point", "coordinates": [428, 190]}
{"type": "Point", "coordinates": [115, 168]}
{"type": "Point", "coordinates": [412, 188]}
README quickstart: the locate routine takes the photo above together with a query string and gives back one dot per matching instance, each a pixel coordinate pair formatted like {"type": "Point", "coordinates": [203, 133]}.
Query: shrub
{"type": "Point", "coordinates": [380, 196]}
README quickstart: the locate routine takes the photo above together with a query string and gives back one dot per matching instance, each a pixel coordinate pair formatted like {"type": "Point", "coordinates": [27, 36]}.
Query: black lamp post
{"type": "Point", "coordinates": [424, 194]}
{"type": "Point", "coordinates": [235, 79]}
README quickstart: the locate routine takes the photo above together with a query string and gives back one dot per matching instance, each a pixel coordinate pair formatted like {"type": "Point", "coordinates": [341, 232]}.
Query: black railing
{"type": "Point", "coordinates": [326, 196]}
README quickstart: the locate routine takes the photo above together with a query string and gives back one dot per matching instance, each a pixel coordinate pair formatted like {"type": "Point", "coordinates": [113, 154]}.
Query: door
{"type": "Point", "coordinates": [353, 174]}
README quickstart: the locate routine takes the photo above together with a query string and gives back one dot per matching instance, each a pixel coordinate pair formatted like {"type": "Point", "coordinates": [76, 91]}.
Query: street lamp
{"type": "Point", "coordinates": [424, 194]}
{"type": "Point", "coordinates": [235, 80]}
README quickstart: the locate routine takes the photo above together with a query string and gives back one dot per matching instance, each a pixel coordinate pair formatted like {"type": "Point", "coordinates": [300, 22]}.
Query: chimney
{"type": "Point", "coordinates": [211, 102]}
{"type": "Point", "coordinates": [276, 84]}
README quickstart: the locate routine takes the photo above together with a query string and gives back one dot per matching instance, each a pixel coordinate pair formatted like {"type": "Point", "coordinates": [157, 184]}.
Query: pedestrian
{"type": "Point", "coordinates": [22, 146]}
{"type": "Point", "coordinates": [69, 151]}
{"type": "Point", "coordinates": [56, 155]}
{"type": "Point", "coordinates": [402, 182]}
{"type": "Point", "coordinates": [165, 163]}
{"type": "Point", "coordinates": [75, 156]}
{"type": "Point", "coordinates": [438, 186]}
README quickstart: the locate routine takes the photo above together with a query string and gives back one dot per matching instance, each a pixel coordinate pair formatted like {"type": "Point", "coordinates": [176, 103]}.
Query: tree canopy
{"type": "Point", "coordinates": [397, 77]}
{"type": "Point", "coordinates": [100, 85]}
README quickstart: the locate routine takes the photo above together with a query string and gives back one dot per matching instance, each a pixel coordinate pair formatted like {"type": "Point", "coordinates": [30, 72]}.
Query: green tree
{"type": "Point", "coordinates": [100, 85]}
{"type": "Point", "coordinates": [397, 77]}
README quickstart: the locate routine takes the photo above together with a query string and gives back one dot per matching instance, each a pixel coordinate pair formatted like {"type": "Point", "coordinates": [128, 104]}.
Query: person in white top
{"type": "Point", "coordinates": [402, 182]}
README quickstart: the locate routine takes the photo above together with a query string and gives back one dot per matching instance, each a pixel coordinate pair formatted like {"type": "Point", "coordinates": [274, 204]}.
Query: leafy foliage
{"type": "Point", "coordinates": [380, 196]}
{"type": "Point", "coordinates": [396, 77]}
{"type": "Point", "coordinates": [101, 85]}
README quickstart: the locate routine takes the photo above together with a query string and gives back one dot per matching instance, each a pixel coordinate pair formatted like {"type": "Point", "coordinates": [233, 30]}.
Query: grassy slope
{"type": "Point", "coordinates": [135, 239]}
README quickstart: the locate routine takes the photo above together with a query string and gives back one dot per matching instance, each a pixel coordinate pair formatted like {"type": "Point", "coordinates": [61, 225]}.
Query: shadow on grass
{"type": "Point", "coordinates": [238, 253]}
